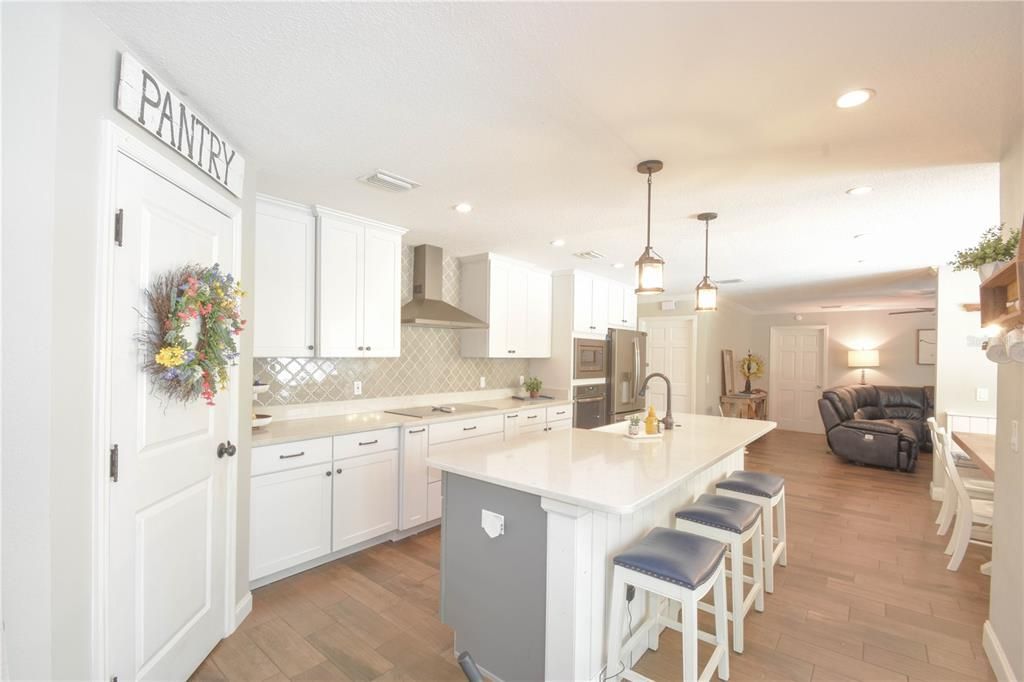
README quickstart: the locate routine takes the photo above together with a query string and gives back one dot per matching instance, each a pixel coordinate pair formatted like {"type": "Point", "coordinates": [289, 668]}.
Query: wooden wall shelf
{"type": "Point", "coordinates": [1001, 294]}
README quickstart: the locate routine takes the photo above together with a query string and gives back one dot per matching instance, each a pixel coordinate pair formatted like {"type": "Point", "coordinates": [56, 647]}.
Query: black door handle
{"type": "Point", "coordinates": [226, 449]}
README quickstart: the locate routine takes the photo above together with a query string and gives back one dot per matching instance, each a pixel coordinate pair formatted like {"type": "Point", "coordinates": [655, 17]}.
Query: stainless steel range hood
{"type": "Point", "coordinates": [426, 309]}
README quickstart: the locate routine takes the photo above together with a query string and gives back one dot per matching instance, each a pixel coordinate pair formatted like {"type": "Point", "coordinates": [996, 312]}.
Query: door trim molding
{"type": "Point", "coordinates": [116, 141]}
{"type": "Point", "coordinates": [772, 388]}
{"type": "Point", "coordinates": [642, 326]}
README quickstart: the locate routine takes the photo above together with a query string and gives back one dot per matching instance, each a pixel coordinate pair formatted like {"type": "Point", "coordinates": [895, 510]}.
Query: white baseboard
{"type": "Point", "coordinates": [242, 610]}
{"type": "Point", "coordinates": [996, 655]}
{"type": "Point", "coordinates": [936, 492]}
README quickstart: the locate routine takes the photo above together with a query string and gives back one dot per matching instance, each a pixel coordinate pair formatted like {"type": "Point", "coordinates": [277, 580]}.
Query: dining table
{"type": "Point", "coordinates": [981, 448]}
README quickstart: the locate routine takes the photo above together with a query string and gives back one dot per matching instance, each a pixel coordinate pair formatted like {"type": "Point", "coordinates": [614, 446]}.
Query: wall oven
{"type": "Point", "coordinates": [590, 409]}
{"type": "Point", "coordinates": [590, 359]}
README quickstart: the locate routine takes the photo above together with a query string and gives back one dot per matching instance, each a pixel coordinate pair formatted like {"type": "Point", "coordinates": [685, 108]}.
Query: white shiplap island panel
{"type": "Point", "coordinates": [601, 493]}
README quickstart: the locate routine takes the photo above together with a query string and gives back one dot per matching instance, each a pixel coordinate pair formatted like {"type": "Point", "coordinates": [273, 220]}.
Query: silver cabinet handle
{"type": "Point", "coordinates": [511, 416]}
{"type": "Point", "coordinates": [339, 471]}
{"type": "Point", "coordinates": [469, 428]}
{"type": "Point", "coordinates": [563, 411]}
{"type": "Point", "coordinates": [370, 442]}
{"type": "Point", "coordinates": [417, 430]}
{"type": "Point", "coordinates": [361, 348]}
{"type": "Point", "coordinates": [328, 472]}
{"type": "Point", "coordinates": [297, 454]}
{"type": "Point", "coordinates": [532, 416]}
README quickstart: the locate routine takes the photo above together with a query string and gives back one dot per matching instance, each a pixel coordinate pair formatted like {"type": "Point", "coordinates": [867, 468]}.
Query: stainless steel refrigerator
{"type": "Point", "coordinates": [627, 367]}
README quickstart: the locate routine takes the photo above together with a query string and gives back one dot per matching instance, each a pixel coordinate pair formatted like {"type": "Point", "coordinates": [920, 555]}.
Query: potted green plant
{"type": "Point", "coordinates": [533, 386]}
{"type": "Point", "coordinates": [991, 252]}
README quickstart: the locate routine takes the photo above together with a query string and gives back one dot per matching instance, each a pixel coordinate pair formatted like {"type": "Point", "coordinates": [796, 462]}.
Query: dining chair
{"type": "Point", "coordinates": [980, 489]}
{"type": "Point", "coordinates": [973, 516]}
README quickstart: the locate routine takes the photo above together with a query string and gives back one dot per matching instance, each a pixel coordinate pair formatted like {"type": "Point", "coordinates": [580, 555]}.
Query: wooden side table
{"type": "Point", "coordinates": [745, 405]}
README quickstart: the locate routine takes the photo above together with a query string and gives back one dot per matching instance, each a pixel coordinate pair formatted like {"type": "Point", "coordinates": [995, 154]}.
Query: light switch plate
{"type": "Point", "coordinates": [981, 394]}
{"type": "Point", "coordinates": [357, 388]}
{"type": "Point", "coordinates": [493, 524]}
{"type": "Point", "coordinates": [483, 382]}
{"type": "Point", "coordinates": [1014, 436]}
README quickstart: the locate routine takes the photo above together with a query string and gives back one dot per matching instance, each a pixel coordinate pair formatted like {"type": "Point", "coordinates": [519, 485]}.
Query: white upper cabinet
{"type": "Point", "coordinates": [285, 258]}
{"type": "Point", "coordinates": [514, 299]}
{"type": "Point", "coordinates": [599, 303]}
{"type": "Point", "coordinates": [359, 276]}
{"type": "Point", "coordinates": [621, 306]}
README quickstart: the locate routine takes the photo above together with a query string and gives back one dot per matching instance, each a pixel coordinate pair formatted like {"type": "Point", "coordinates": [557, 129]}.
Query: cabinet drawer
{"type": "Point", "coordinates": [556, 414]}
{"type": "Point", "coordinates": [365, 443]}
{"type": "Point", "coordinates": [532, 427]}
{"type": "Point", "coordinates": [466, 428]}
{"type": "Point", "coordinates": [434, 501]}
{"type": "Point", "coordinates": [270, 458]}
{"type": "Point", "coordinates": [535, 415]}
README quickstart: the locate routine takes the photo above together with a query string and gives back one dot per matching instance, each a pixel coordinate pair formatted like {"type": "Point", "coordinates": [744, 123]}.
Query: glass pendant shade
{"type": "Point", "coordinates": [650, 273]}
{"type": "Point", "coordinates": [707, 296]}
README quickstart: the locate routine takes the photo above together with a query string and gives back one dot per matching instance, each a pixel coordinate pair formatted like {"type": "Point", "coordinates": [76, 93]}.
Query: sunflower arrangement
{"type": "Point", "coordinates": [193, 320]}
{"type": "Point", "coordinates": [751, 367]}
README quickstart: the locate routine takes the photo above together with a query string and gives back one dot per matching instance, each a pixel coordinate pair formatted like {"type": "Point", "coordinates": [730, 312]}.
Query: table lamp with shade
{"type": "Point", "coordinates": [860, 359]}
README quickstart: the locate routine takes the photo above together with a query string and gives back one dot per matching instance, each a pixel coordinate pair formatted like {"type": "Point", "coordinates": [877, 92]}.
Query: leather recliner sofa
{"type": "Point", "coordinates": [879, 425]}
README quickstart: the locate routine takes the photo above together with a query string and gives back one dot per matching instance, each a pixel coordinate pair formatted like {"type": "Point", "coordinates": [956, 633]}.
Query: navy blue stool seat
{"type": "Point", "coordinates": [726, 513]}
{"type": "Point", "coordinates": [672, 555]}
{"type": "Point", "coordinates": [769, 492]}
{"type": "Point", "coordinates": [677, 568]}
{"type": "Point", "coordinates": [753, 483]}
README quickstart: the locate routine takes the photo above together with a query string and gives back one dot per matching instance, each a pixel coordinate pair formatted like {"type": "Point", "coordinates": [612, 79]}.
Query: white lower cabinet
{"type": "Point", "coordinates": [414, 477]}
{"type": "Point", "coordinates": [365, 497]}
{"type": "Point", "coordinates": [434, 500]}
{"type": "Point", "coordinates": [290, 518]}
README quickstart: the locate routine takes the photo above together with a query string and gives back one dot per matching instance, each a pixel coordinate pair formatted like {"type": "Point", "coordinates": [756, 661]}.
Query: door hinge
{"type": "Point", "coordinates": [113, 462]}
{"type": "Point", "coordinates": [119, 227]}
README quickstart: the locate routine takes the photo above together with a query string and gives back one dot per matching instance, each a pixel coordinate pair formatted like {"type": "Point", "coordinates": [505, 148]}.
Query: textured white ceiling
{"type": "Point", "coordinates": [538, 113]}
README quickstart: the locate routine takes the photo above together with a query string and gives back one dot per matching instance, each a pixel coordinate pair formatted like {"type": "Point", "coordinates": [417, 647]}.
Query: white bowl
{"type": "Point", "coordinates": [259, 420]}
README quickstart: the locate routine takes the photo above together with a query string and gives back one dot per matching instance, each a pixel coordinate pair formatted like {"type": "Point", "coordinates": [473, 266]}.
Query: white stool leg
{"type": "Point", "coordinates": [614, 664]}
{"type": "Point", "coordinates": [782, 529]}
{"type": "Point", "coordinates": [769, 547]}
{"type": "Point", "coordinates": [722, 625]}
{"type": "Point", "coordinates": [689, 637]}
{"type": "Point", "coordinates": [757, 545]}
{"type": "Point", "coordinates": [654, 603]}
{"type": "Point", "coordinates": [736, 548]}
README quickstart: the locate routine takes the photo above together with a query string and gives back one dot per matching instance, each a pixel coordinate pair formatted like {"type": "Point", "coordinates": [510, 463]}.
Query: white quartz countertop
{"type": "Point", "coordinates": [601, 469]}
{"type": "Point", "coordinates": [289, 430]}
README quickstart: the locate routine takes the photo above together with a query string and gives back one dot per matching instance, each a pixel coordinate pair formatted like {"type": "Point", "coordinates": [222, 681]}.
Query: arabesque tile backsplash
{"type": "Point", "coordinates": [430, 363]}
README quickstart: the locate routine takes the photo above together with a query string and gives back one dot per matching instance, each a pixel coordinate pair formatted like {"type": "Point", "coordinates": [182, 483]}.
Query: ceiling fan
{"type": "Point", "coordinates": [913, 311]}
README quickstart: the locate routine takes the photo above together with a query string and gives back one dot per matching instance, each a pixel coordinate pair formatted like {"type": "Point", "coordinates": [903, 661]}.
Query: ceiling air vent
{"type": "Point", "coordinates": [589, 255]}
{"type": "Point", "coordinates": [389, 181]}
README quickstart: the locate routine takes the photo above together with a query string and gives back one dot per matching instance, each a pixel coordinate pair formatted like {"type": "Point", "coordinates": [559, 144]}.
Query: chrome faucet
{"type": "Point", "coordinates": [667, 419]}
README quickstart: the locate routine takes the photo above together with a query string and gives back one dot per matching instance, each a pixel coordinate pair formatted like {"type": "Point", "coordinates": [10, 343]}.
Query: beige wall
{"type": "Point", "coordinates": [61, 66]}
{"type": "Point", "coordinates": [895, 337]}
{"type": "Point", "coordinates": [729, 327]}
{"type": "Point", "coordinates": [1006, 612]}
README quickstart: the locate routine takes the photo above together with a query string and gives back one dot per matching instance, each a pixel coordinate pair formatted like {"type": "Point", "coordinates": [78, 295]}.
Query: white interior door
{"type": "Point", "coordinates": [796, 377]}
{"type": "Point", "coordinates": [671, 350]}
{"type": "Point", "coordinates": [167, 507]}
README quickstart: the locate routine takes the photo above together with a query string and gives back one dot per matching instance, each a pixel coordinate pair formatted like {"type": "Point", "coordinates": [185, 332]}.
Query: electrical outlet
{"type": "Point", "coordinates": [357, 388]}
{"type": "Point", "coordinates": [981, 394]}
{"type": "Point", "coordinates": [483, 382]}
{"type": "Point", "coordinates": [1014, 436]}
{"type": "Point", "coordinates": [493, 524]}
{"type": "Point", "coordinates": [522, 380]}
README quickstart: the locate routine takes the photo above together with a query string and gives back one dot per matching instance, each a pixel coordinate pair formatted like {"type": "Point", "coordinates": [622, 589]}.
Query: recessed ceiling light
{"type": "Point", "coordinates": [618, 266]}
{"type": "Point", "coordinates": [854, 98]}
{"type": "Point", "coordinates": [463, 207]}
{"type": "Point", "coordinates": [557, 242]}
{"type": "Point", "coordinates": [857, 191]}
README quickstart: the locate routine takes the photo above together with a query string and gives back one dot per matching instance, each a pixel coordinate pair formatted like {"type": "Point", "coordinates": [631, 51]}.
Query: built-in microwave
{"type": "Point", "coordinates": [590, 359]}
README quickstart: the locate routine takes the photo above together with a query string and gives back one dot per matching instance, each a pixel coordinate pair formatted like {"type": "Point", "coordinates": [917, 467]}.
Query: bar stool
{"type": "Point", "coordinates": [681, 567]}
{"type": "Point", "coordinates": [769, 491]}
{"type": "Point", "coordinates": [734, 522]}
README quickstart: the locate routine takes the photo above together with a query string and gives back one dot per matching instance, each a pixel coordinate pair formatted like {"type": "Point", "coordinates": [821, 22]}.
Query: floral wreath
{"type": "Point", "coordinates": [194, 317]}
{"type": "Point", "coordinates": [752, 366]}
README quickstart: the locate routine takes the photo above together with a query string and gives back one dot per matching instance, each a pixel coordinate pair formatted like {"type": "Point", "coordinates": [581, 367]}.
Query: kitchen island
{"type": "Point", "coordinates": [530, 602]}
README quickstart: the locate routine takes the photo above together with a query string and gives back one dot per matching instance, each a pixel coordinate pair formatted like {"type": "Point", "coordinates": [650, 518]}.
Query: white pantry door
{"type": "Point", "coordinates": [167, 507]}
{"type": "Point", "coordinates": [796, 377]}
{"type": "Point", "coordinates": [671, 350]}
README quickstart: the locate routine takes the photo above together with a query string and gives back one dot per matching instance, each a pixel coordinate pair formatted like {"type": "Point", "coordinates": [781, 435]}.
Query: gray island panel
{"type": "Point", "coordinates": [493, 591]}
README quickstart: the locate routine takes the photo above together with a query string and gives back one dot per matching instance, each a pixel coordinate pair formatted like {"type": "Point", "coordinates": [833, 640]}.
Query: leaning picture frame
{"type": "Point", "coordinates": [926, 346]}
{"type": "Point", "coordinates": [728, 373]}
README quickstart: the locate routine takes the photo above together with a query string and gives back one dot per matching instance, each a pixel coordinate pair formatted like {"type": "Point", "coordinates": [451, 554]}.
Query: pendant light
{"type": "Point", "coordinates": [650, 268]}
{"type": "Point", "coordinates": [707, 292]}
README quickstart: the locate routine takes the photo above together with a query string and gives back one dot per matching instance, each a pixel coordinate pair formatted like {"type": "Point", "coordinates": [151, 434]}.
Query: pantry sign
{"type": "Point", "coordinates": [151, 104]}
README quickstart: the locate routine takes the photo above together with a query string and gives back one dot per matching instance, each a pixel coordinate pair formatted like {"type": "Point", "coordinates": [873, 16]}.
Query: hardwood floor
{"type": "Point", "coordinates": [865, 596]}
